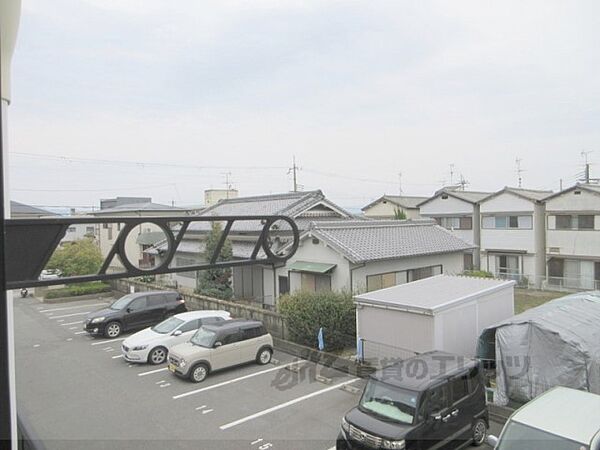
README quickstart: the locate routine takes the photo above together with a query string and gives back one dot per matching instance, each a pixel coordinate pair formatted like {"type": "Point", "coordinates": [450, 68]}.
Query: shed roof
{"type": "Point", "coordinates": [375, 240]}
{"type": "Point", "coordinates": [578, 418]}
{"type": "Point", "coordinates": [405, 201]}
{"type": "Point", "coordinates": [433, 294]}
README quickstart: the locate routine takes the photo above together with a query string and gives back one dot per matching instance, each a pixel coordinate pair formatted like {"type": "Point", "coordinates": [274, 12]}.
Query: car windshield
{"type": "Point", "coordinates": [517, 436]}
{"type": "Point", "coordinates": [203, 338]}
{"type": "Point", "coordinates": [389, 402]}
{"type": "Point", "coordinates": [168, 325]}
{"type": "Point", "coordinates": [122, 302]}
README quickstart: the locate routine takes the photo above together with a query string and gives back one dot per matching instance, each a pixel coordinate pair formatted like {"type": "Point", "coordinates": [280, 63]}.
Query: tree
{"type": "Point", "coordinates": [81, 257]}
{"type": "Point", "coordinates": [399, 214]}
{"type": "Point", "coordinates": [216, 282]}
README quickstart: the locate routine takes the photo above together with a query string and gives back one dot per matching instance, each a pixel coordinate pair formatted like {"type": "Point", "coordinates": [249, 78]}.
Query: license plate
{"type": "Point", "coordinates": [172, 367]}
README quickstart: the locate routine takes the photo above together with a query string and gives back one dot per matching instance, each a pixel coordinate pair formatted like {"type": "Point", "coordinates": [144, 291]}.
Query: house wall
{"type": "Point", "coordinates": [452, 263]}
{"type": "Point", "coordinates": [582, 243]}
{"type": "Point", "coordinates": [453, 207]}
{"type": "Point", "coordinates": [320, 253]}
{"type": "Point", "coordinates": [531, 240]}
{"type": "Point", "coordinates": [386, 209]}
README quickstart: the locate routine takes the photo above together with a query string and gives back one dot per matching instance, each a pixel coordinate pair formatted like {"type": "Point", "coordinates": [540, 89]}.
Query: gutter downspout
{"type": "Point", "coordinates": [358, 339]}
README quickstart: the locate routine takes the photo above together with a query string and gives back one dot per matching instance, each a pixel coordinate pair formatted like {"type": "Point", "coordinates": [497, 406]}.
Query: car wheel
{"type": "Point", "coordinates": [112, 330]}
{"type": "Point", "coordinates": [264, 356]}
{"type": "Point", "coordinates": [199, 373]}
{"type": "Point", "coordinates": [479, 432]}
{"type": "Point", "coordinates": [157, 356]}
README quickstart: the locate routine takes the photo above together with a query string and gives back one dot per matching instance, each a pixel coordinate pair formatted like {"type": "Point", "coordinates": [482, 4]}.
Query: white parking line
{"type": "Point", "coordinates": [72, 307]}
{"type": "Point", "coordinates": [165, 385]}
{"type": "Point", "coordinates": [118, 356]}
{"type": "Point", "coordinates": [69, 315]}
{"type": "Point", "coordinates": [74, 328]}
{"type": "Point", "coordinates": [200, 407]}
{"type": "Point", "coordinates": [206, 411]}
{"type": "Point", "coordinates": [235, 380]}
{"type": "Point", "coordinates": [286, 404]}
{"type": "Point", "coordinates": [108, 341]}
{"type": "Point", "coordinates": [80, 332]}
{"type": "Point", "coordinates": [70, 323]}
{"type": "Point", "coordinates": [143, 374]}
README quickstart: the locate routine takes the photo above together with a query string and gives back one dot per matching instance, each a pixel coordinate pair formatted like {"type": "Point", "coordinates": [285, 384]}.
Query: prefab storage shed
{"type": "Point", "coordinates": [444, 313]}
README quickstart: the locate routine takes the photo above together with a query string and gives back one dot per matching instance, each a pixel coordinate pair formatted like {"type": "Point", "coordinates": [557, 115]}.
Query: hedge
{"type": "Point", "coordinates": [306, 312]}
{"type": "Point", "coordinates": [74, 290]}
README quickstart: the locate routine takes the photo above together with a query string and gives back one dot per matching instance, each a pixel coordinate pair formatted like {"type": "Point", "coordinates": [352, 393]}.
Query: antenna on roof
{"type": "Point", "coordinates": [586, 174]}
{"type": "Point", "coordinates": [294, 169]}
{"type": "Point", "coordinates": [519, 171]}
{"type": "Point", "coordinates": [463, 183]}
{"type": "Point", "coordinates": [228, 183]}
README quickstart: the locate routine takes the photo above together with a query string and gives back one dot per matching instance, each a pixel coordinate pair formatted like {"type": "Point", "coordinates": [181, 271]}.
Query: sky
{"type": "Point", "coordinates": [167, 98]}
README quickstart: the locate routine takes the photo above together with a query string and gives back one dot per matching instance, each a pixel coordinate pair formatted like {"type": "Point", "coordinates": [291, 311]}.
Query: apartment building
{"type": "Point", "coordinates": [513, 235]}
{"type": "Point", "coordinates": [573, 238]}
{"type": "Point", "coordinates": [389, 206]}
{"type": "Point", "coordinates": [457, 211]}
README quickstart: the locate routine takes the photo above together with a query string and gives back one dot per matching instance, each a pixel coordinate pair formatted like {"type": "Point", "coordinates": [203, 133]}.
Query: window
{"type": "Point", "coordinates": [507, 222]}
{"type": "Point", "coordinates": [438, 398]}
{"type": "Point", "coordinates": [466, 223]}
{"type": "Point", "coordinates": [191, 325]}
{"type": "Point", "coordinates": [254, 332]}
{"type": "Point", "coordinates": [468, 261]}
{"type": "Point", "coordinates": [209, 321]}
{"type": "Point", "coordinates": [71, 230]}
{"type": "Point", "coordinates": [507, 264]}
{"type": "Point", "coordinates": [563, 222]}
{"type": "Point", "coordinates": [424, 272]}
{"type": "Point", "coordinates": [156, 300]}
{"type": "Point", "coordinates": [460, 388]}
{"type": "Point", "coordinates": [231, 337]}
{"type": "Point", "coordinates": [456, 223]}
{"type": "Point", "coordinates": [315, 282]}
{"type": "Point", "coordinates": [138, 303]}
{"type": "Point", "coordinates": [381, 281]}
{"type": "Point", "coordinates": [585, 222]}
{"type": "Point", "coordinates": [284, 285]}
{"type": "Point", "coordinates": [474, 380]}
{"type": "Point", "coordinates": [89, 230]}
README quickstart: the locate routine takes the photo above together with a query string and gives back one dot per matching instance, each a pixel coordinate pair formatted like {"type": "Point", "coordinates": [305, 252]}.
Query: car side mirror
{"type": "Point", "coordinates": [491, 440]}
{"type": "Point", "coordinates": [177, 333]}
{"type": "Point", "coordinates": [217, 344]}
{"type": "Point", "coordinates": [129, 310]}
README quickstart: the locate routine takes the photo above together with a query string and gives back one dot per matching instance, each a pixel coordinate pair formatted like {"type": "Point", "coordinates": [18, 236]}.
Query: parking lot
{"type": "Point", "coordinates": [78, 392]}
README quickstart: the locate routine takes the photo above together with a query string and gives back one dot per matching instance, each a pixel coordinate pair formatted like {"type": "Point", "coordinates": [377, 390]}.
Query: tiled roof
{"type": "Point", "coordinates": [404, 201]}
{"type": "Point", "coordinates": [241, 249]}
{"type": "Point", "coordinates": [362, 241]}
{"type": "Point", "coordinates": [21, 209]}
{"type": "Point", "coordinates": [135, 207]}
{"type": "Point", "coordinates": [528, 194]}
{"type": "Point", "coordinates": [292, 204]}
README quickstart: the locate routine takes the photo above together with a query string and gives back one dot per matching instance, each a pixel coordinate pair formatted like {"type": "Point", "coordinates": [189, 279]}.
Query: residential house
{"type": "Point", "coordinates": [388, 206]}
{"type": "Point", "coordinates": [573, 237]}
{"type": "Point", "coordinates": [458, 211]}
{"type": "Point", "coordinates": [513, 243]}
{"type": "Point", "coordinates": [256, 283]}
{"type": "Point", "coordinates": [23, 211]}
{"type": "Point", "coordinates": [214, 196]}
{"type": "Point", "coordinates": [359, 256]}
{"type": "Point", "coordinates": [145, 235]}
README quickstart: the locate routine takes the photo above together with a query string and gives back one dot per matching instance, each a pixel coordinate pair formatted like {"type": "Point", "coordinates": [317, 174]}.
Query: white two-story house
{"type": "Point", "coordinates": [388, 206]}
{"type": "Point", "coordinates": [513, 243]}
{"type": "Point", "coordinates": [573, 237]}
{"type": "Point", "coordinates": [457, 211]}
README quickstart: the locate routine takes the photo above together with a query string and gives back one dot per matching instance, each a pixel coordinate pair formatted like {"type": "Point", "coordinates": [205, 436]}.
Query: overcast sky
{"type": "Point", "coordinates": [357, 91]}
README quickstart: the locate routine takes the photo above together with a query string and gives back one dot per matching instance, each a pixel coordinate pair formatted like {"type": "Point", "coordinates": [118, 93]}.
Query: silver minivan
{"type": "Point", "coordinates": [221, 345]}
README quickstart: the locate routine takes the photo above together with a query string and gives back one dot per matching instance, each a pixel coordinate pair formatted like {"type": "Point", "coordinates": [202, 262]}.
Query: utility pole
{"type": "Point", "coordinates": [519, 171]}
{"type": "Point", "coordinates": [561, 184]}
{"type": "Point", "coordinates": [451, 174]}
{"type": "Point", "coordinates": [228, 185]}
{"type": "Point", "coordinates": [294, 170]}
{"type": "Point", "coordinates": [400, 183]}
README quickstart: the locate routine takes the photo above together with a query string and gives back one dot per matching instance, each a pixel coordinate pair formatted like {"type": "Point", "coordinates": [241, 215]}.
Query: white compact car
{"type": "Point", "coordinates": [152, 344]}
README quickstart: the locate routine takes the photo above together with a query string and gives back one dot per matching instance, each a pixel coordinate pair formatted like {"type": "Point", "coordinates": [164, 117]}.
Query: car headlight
{"type": "Point", "coordinates": [345, 425]}
{"type": "Point", "coordinates": [393, 444]}
{"type": "Point", "coordinates": [98, 319]}
{"type": "Point", "coordinates": [140, 347]}
{"type": "Point", "coordinates": [182, 363]}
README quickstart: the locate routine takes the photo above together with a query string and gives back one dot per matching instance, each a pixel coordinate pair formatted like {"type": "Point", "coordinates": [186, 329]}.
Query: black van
{"type": "Point", "coordinates": [432, 401]}
{"type": "Point", "coordinates": [133, 311]}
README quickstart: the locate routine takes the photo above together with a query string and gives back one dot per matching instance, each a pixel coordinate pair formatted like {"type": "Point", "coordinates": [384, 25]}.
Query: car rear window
{"type": "Point", "coordinates": [253, 332]}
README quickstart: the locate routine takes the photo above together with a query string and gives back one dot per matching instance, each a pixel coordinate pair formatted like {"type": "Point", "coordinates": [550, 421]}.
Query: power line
{"type": "Point", "coordinates": [78, 189]}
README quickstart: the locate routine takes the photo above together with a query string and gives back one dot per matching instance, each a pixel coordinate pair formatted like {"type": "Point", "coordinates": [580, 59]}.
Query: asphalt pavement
{"type": "Point", "coordinates": [78, 392]}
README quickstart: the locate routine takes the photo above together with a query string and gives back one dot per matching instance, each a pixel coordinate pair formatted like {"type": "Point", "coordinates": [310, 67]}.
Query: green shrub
{"type": "Point", "coordinates": [478, 273]}
{"type": "Point", "coordinates": [81, 257]}
{"type": "Point", "coordinates": [306, 312]}
{"type": "Point", "coordinates": [74, 290]}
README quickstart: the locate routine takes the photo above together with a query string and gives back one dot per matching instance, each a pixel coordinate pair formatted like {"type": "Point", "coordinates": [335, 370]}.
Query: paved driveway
{"type": "Point", "coordinates": [78, 392]}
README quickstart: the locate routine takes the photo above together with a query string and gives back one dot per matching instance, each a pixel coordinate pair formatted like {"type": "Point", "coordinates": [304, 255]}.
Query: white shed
{"type": "Point", "coordinates": [443, 312]}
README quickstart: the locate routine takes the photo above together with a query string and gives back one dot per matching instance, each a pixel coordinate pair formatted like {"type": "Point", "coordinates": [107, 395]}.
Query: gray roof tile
{"type": "Point", "coordinates": [362, 241]}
